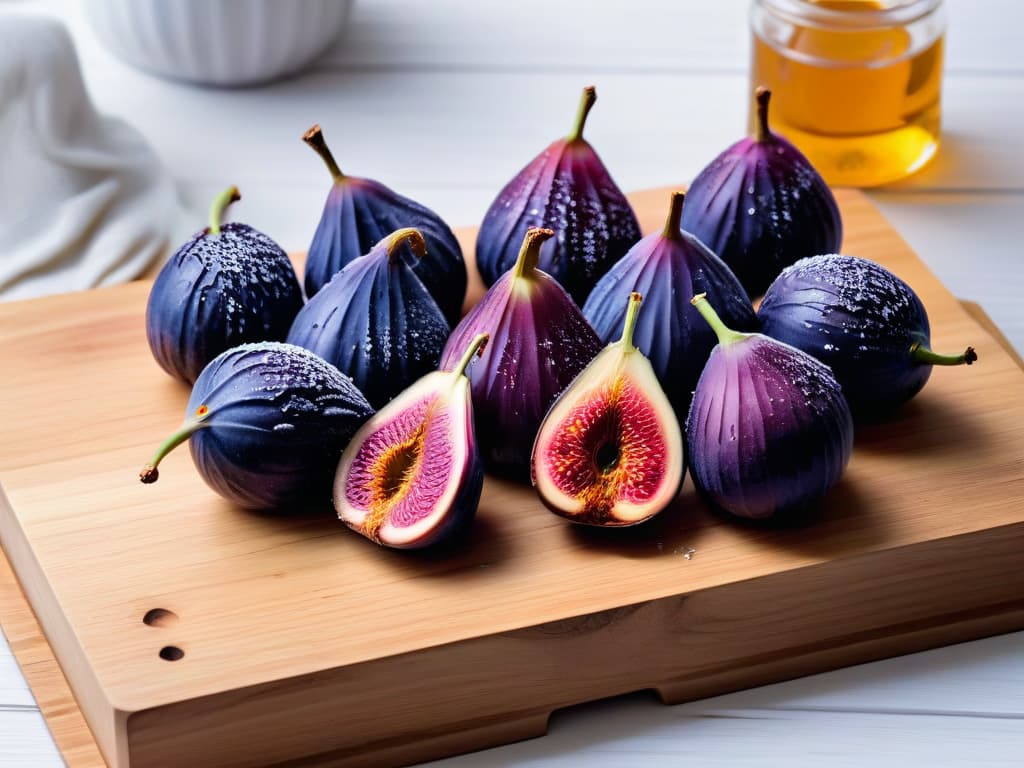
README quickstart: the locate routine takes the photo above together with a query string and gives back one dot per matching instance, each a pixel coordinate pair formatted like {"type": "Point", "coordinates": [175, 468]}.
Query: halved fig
{"type": "Point", "coordinates": [610, 451]}
{"type": "Point", "coordinates": [412, 475]}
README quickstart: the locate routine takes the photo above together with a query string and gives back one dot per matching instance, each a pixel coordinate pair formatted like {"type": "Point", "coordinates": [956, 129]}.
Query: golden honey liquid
{"type": "Point", "coordinates": [860, 124]}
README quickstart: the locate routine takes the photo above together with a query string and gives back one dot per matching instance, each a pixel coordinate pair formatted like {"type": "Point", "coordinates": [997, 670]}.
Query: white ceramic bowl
{"type": "Point", "coordinates": [218, 42]}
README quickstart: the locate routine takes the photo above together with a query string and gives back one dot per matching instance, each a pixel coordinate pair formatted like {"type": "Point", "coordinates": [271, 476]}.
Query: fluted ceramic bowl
{"type": "Point", "coordinates": [218, 42]}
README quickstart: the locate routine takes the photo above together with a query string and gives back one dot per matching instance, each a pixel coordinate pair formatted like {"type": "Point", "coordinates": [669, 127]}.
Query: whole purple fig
{"type": "Point", "coordinates": [266, 424]}
{"type": "Point", "coordinates": [862, 321]}
{"type": "Point", "coordinates": [539, 341]}
{"type": "Point", "coordinates": [565, 188]}
{"type": "Point", "coordinates": [359, 213]}
{"type": "Point", "coordinates": [769, 431]}
{"type": "Point", "coordinates": [760, 205]}
{"type": "Point", "coordinates": [228, 285]}
{"type": "Point", "coordinates": [375, 321]}
{"type": "Point", "coordinates": [668, 269]}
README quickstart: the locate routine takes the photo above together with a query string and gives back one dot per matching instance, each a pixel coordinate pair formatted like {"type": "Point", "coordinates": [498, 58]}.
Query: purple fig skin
{"type": "Point", "coordinates": [539, 342]}
{"type": "Point", "coordinates": [668, 269]}
{"type": "Point", "coordinates": [769, 431]}
{"type": "Point", "coordinates": [862, 321]}
{"type": "Point", "coordinates": [359, 213]}
{"type": "Point", "coordinates": [220, 289]}
{"type": "Point", "coordinates": [760, 205]}
{"type": "Point", "coordinates": [266, 425]}
{"type": "Point", "coordinates": [568, 189]}
{"type": "Point", "coordinates": [375, 320]}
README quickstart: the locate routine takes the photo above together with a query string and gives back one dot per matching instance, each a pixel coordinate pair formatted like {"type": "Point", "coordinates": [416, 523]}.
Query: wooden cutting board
{"type": "Point", "coordinates": [300, 642]}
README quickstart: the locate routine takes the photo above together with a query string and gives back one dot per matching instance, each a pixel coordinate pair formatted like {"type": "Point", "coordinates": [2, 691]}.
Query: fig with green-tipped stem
{"type": "Point", "coordinates": [567, 189]}
{"type": "Point", "coordinates": [769, 431]}
{"type": "Point", "coordinates": [228, 285]}
{"type": "Point", "coordinates": [861, 320]}
{"type": "Point", "coordinates": [266, 424]}
{"type": "Point", "coordinates": [539, 342]}
{"type": "Point", "coordinates": [412, 475]}
{"type": "Point", "coordinates": [668, 268]}
{"type": "Point", "coordinates": [610, 451]}
{"type": "Point", "coordinates": [359, 213]}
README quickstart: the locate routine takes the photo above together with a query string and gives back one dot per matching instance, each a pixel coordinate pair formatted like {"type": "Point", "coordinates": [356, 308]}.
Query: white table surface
{"type": "Point", "coordinates": [445, 101]}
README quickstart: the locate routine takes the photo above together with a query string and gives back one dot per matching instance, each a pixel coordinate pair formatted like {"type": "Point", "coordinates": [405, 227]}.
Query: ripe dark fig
{"type": "Point", "coordinates": [769, 431]}
{"type": "Point", "coordinates": [862, 321]}
{"type": "Point", "coordinates": [359, 213]}
{"type": "Point", "coordinates": [609, 452]}
{"type": "Point", "coordinates": [228, 285]}
{"type": "Point", "coordinates": [539, 342]}
{"type": "Point", "coordinates": [266, 424]}
{"type": "Point", "coordinates": [668, 268]}
{"type": "Point", "coordinates": [761, 205]}
{"type": "Point", "coordinates": [412, 476]}
{"type": "Point", "coordinates": [375, 320]}
{"type": "Point", "coordinates": [567, 189]}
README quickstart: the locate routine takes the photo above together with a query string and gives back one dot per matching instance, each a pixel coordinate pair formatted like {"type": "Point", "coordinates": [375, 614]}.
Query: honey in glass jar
{"type": "Point", "coordinates": [855, 84]}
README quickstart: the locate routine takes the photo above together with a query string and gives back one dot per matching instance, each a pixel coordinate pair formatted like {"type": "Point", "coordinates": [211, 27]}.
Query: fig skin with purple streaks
{"type": "Point", "coordinates": [375, 320]}
{"type": "Point", "coordinates": [539, 341]}
{"type": "Point", "coordinates": [228, 285]}
{"type": "Point", "coordinates": [769, 431]}
{"type": "Point", "coordinates": [359, 213]}
{"type": "Point", "coordinates": [411, 477]}
{"type": "Point", "coordinates": [669, 268]}
{"type": "Point", "coordinates": [861, 320]}
{"type": "Point", "coordinates": [760, 205]}
{"type": "Point", "coordinates": [567, 189]}
{"type": "Point", "coordinates": [266, 424]}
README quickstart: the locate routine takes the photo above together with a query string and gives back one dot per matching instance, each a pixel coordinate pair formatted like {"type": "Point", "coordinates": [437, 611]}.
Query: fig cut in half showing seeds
{"type": "Point", "coordinates": [610, 451]}
{"type": "Point", "coordinates": [411, 477]}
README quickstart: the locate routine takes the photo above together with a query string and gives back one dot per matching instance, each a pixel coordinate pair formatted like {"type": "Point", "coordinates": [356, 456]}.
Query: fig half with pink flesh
{"type": "Point", "coordinates": [411, 476]}
{"type": "Point", "coordinates": [610, 451]}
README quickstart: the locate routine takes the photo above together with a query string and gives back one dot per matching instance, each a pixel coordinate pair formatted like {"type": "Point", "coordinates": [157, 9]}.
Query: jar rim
{"type": "Point", "coordinates": [890, 13]}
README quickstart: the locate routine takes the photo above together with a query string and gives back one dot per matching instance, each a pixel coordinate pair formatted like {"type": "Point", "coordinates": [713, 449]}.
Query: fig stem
{"type": "Point", "coordinates": [409, 235]}
{"type": "Point", "coordinates": [219, 205]}
{"type": "Point", "coordinates": [150, 473]}
{"type": "Point", "coordinates": [763, 96]}
{"type": "Point", "coordinates": [315, 138]}
{"type": "Point", "coordinates": [476, 346]}
{"type": "Point", "coordinates": [675, 216]}
{"type": "Point", "coordinates": [725, 334]}
{"type": "Point", "coordinates": [924, 356]}
{"type": "Point", "coordinates": [632, 312]}
{"type": "Point", "coordinates": [529, 252]}
{"type": "Point", "coordinates": [586, 102]}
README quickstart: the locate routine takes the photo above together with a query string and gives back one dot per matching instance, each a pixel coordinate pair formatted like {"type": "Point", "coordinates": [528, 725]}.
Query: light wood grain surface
{"type": "Point", "coordinates": [458, 65]}
{"type": "Point", "coordinates": [288, 613]}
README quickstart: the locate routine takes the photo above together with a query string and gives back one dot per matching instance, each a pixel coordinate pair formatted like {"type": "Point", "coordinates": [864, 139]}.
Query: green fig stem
{"type": "Point", "coordinates": [529, 252]}
{"type": "Point", "coordinates": [315, 138]}
{"type": "Point", "coordinates": [586, 102]}
{"type": "Point", "coordinates": [632, 312]}
{"type": "Point", "coordinates": [476, 347]}
{"type": "Point", "coordinates": [922, 355]}
{"type": "Point", "coordinates": [150, 473]}
{"type": "Point", "coordinates": [675, 216]}
{"type": "Point", "coordinates": [761, 130]}
{"type": "Point", "coordinates": [725, 334]}
{"type": "Point", "coordinates": [409, 235]}
{"type": "Point", "coordinates": [219, 205]}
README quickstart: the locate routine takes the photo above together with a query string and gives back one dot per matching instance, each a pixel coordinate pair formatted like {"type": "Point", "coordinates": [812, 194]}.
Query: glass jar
{"type": "Point", "coordinates": [855, 84]}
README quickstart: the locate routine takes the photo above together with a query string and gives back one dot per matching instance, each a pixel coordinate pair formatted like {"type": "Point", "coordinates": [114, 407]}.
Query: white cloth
{"type": "Point", "coordinates": [84, 200]}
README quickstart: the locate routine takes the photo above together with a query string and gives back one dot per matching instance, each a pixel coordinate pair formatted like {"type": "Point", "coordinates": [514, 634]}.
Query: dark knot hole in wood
{"type": "Point", "coordinates": [171, 653]}
{"type": "Point", "coordinates": [159, 617]}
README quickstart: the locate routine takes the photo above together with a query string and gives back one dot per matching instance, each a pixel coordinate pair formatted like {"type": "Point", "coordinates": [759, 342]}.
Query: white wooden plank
{"type": "Point", "coordinates": [638, 731]}
{"type": "Point", "coordinates": [25, 741]}
{"type": "Point", "coordinates": [14, 691]}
